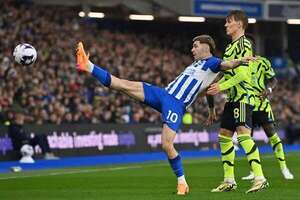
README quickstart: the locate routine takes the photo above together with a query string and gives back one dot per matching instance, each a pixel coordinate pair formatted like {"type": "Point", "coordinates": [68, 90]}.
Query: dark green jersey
{"type": "Point", "coordinates": [243, 91]}
{"type": "Point", "coordinates": [261, 71]}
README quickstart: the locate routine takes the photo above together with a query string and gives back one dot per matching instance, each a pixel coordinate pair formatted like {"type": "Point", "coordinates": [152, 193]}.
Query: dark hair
{"type": "Point", "coordinates": [238, 15]}
{"type": "Point", "coordinates": [207, 40]}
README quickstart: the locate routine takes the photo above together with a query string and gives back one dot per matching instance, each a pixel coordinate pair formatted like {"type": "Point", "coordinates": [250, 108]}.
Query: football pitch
{"type": "Point", "coordinates": [147, 181]}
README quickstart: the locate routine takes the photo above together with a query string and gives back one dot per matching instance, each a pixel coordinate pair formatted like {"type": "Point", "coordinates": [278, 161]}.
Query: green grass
{"type": "Point", "coordinates": [147, 181]}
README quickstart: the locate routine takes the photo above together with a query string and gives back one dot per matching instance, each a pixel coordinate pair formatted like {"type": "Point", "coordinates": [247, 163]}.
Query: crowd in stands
{"type": "Point", "coordinates": [52, 91]}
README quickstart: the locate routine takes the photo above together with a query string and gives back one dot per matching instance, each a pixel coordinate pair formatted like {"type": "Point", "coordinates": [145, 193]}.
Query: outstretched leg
{"type": "Point", "coordinates": [133, 89]}
{"type": "Point", "coordinates": [136, 90]}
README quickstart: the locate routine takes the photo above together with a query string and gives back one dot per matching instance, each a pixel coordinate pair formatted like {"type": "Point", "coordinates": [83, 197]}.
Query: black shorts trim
{"type": "Point", "coordinates": [236, 114]}
{"type": "Point", "coordinates": [260, 118]}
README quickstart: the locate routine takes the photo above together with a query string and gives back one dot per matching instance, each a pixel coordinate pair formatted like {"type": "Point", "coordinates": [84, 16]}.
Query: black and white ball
{"type": "Point", "coordinates": [27, 150]}
{"type": "Point", "coordinates": [25, 54]}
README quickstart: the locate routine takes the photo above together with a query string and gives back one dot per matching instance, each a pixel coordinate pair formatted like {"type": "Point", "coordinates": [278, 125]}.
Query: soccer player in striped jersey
{"type": "Point", "coordinates": [263, 82]}
{"type": "Point", "coordinates": [173, 100]}
{"type": "Point", "coordinates": [237, 114]}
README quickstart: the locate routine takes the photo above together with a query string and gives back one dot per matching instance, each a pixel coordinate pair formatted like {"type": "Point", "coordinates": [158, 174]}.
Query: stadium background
{"type": "Point", "coordinates": [83, 118]}
{"type": "Point", "coordinates": [88, 125]}
{"type": "Point", "coordinates": [53, 94]}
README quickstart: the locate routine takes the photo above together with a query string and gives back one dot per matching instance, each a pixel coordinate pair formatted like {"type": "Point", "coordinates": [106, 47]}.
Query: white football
{"type": "Point", "coordinates": [25, 54]}
{"type": "Point", "coordinates": [27, 150]}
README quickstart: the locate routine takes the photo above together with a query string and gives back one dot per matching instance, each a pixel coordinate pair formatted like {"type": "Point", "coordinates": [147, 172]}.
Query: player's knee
{"type": "Point", "coordinates": [243, 130]}
{"type": "Point", "coordinates": [127, 86]}
{"type": "Point", "coordinates": [269, 129]}
{"type": "Point", "coordinates": [225, 132]}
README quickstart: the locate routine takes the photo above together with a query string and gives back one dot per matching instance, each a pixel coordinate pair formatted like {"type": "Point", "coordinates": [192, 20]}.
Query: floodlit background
{"type": "Point", "coordinates": [143, 40]}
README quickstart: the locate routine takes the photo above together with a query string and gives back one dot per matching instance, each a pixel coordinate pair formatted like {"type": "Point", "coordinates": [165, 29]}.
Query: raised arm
{"type": "Point", "coordinates": [241, 75]}
{"type": "Point", "coordinates": [225, 65]}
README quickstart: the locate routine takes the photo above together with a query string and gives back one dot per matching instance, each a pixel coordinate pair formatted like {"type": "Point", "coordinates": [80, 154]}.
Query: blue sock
{"type": "Point", "coordinates": [177, 166]}
{"type": "Point", "coordinates": [102, 75]}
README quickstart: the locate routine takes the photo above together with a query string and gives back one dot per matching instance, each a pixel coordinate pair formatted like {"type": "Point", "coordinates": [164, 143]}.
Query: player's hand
{"type": "Point", "coordinates": [212, 117]}
{"type": "Point", "coordinates": [214, 89]}
{"type": "Point", "coordinates": [247, 59]}
{"type": "Point", "coordinates": [82, 59]}
{"type": "Point", "coordinates": [264, 94]}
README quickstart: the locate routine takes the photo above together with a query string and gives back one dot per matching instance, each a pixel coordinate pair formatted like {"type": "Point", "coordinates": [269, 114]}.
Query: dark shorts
{"type": "Point", "coordinates": [260, 118]}
{"type": "Point", "coordinates": [236, 114]}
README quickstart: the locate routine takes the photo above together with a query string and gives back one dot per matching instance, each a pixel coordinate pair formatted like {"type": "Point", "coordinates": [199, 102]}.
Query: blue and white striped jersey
{"type": "Point", "coordinates": [194, 79]}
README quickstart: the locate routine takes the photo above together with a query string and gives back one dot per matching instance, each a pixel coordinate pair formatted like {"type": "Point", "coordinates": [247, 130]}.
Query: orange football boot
{"type": "Point", "coordinates": [182, 189]}
{"type": "Point", "coordinates": [82, 59]}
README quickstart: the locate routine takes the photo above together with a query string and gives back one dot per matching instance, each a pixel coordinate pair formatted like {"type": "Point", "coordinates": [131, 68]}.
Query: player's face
{"type": "Point", "coordinates": [20, 118]}
{"type": "Point", "coordinates": [199, 50]}
{"type": "Point", "coordinates": [232, 26]}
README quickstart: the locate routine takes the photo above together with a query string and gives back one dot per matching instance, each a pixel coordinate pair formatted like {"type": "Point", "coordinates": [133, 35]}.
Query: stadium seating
{"type": "Point", "coordinates": [51, 91]}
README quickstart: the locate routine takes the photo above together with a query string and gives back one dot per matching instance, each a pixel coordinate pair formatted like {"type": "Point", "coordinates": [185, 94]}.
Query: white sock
{"type": "Point", "coordinates": [229, 180]}
{"type": "Point", "coordinates": [90, 66]}
{"type": "Point", "coordinates": [181, 179]}
{"type": "Point", "coordinates": [259, 178]}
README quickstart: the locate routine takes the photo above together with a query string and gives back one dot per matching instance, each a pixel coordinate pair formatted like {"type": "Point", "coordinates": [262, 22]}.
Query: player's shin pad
{"type": "Point", "coordinates": [252, 154]}
{"type": "Point", "coordinates": [228, 155]}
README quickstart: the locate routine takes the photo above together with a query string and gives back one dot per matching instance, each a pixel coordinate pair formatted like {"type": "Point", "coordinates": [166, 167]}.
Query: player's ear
{"type": "Point", "coordinates": [240, 24]}
{"type": "Point", "coordinates": [207, 48]}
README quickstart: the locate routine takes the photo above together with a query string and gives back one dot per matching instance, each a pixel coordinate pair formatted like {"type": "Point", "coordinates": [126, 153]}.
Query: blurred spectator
{"type": "Point", "coordinates": [19, 137]}
{"type": "Point", "coordinates": [51, 91]}
{"type": "Point", "coordinates": [292, 134]}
